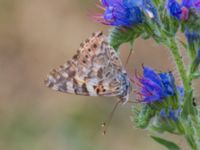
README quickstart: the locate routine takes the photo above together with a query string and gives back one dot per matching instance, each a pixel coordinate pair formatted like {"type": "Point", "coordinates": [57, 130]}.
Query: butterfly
{"type": "Point", "coordinates": [95, 70]}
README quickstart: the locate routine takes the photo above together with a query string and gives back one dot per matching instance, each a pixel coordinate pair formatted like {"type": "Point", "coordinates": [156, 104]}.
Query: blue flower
{"type": "Point", "coordinates": [170, 113]}
{"type": "Point", "coordinates": [191, 4]}
{"type": "Point", "coordinates": [192, 37]}
{"type": "Point", "coordinates": [181, 10]}
{"type": "Point", "coordinates": [155, 86]}
{"type": "Point", "coordinates": [174, 8]}
{"type": "Point", "coordinates": [174, 113]}
{"type": "Point", "coordinates": [125, 12]}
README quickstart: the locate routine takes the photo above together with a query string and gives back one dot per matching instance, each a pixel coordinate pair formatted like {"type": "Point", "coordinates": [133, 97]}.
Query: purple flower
{"type": "Point", "coordinates": [155, 86]}
{"type": "Point", "coordinates": [181, 10]}
{"type": "Point", "coordinates": [125, 12]}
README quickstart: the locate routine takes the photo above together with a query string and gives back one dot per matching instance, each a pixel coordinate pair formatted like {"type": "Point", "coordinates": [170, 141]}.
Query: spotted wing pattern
{"type": "Point", "coordinates": [95, 70]}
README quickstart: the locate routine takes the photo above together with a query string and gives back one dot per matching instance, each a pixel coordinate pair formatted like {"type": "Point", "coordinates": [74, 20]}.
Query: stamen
{"type": "Point", "coordinates": [101, 7]}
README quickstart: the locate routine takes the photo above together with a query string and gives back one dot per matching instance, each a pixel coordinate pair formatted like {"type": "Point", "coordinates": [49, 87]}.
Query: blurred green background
{"type": "Point", "coordinates": [38, 35]}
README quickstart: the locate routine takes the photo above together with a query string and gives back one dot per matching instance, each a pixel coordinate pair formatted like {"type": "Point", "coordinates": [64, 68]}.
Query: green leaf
{"type": "Point", "coordinates": [168, 144]}
{"type": "Point", "coordinates": [118, 36]}
{"type": "Point", "coordinates": [143, 116]}
{"type": "Point", "coordinates": [162, 125]}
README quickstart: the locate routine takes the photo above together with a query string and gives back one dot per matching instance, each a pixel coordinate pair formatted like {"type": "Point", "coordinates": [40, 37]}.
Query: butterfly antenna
{"type": "Point", "coordinates": [129, 55]}
{"type": "Point", "coordinates": [105, 125]}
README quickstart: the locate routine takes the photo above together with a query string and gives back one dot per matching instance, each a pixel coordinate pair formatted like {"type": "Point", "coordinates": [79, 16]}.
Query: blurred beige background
{"type": "Point", "coordinates": [38, 35]}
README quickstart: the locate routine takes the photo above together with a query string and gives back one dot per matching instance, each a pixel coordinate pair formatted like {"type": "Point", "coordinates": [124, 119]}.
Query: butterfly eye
{"type": "Point", "coordinates": [104, 90]}
{"type": "Point", "coordinates": [89, 50]}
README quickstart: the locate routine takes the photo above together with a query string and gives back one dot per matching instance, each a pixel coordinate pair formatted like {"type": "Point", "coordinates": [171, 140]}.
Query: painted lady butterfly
{"type": "Point", "coordinates": [95, 70]}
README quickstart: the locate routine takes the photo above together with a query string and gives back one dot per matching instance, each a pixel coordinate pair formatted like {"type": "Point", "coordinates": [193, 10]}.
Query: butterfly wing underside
{"type": "Point", "coordinates": [95, 70]}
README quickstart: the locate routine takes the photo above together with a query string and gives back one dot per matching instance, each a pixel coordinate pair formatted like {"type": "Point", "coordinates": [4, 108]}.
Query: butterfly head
{"type": "Point", "coordinates": [124, 97]}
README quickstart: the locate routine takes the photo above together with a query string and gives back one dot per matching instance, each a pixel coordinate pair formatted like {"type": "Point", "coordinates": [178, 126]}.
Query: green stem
{"type": "Point", "coordinates": [188, 108]}
{"type": "Point", "coordinates": [192, 131]}
{"type": "Point", "coordinates": [190, 115]}
{"type": "Point", "coordinates": [173, 45]}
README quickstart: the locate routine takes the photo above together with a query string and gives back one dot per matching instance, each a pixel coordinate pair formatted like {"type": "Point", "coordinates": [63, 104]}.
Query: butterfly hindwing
{"type": "Point", "coordinates": [95, 70]}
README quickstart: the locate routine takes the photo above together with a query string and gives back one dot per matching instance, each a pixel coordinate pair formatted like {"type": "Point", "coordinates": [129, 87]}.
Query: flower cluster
{"type": "Point", "coordinates": [181, 11]}
{"type": "Point", "coordinates": [155, 86]}
{"type": "Point", "coordinates": [158, 88]}
{"type": "Point", "coordinates": [125, 12]}
{"type": "Point", "coordinates": [164, 106]}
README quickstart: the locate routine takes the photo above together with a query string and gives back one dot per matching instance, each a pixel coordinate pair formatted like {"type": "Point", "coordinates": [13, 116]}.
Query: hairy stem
{"type": "Point", "coordinates": [172, 44]}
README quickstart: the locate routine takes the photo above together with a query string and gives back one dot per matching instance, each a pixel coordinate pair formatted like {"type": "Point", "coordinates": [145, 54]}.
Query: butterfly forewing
{"type": "Point", "coordinates": [95, 70]}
